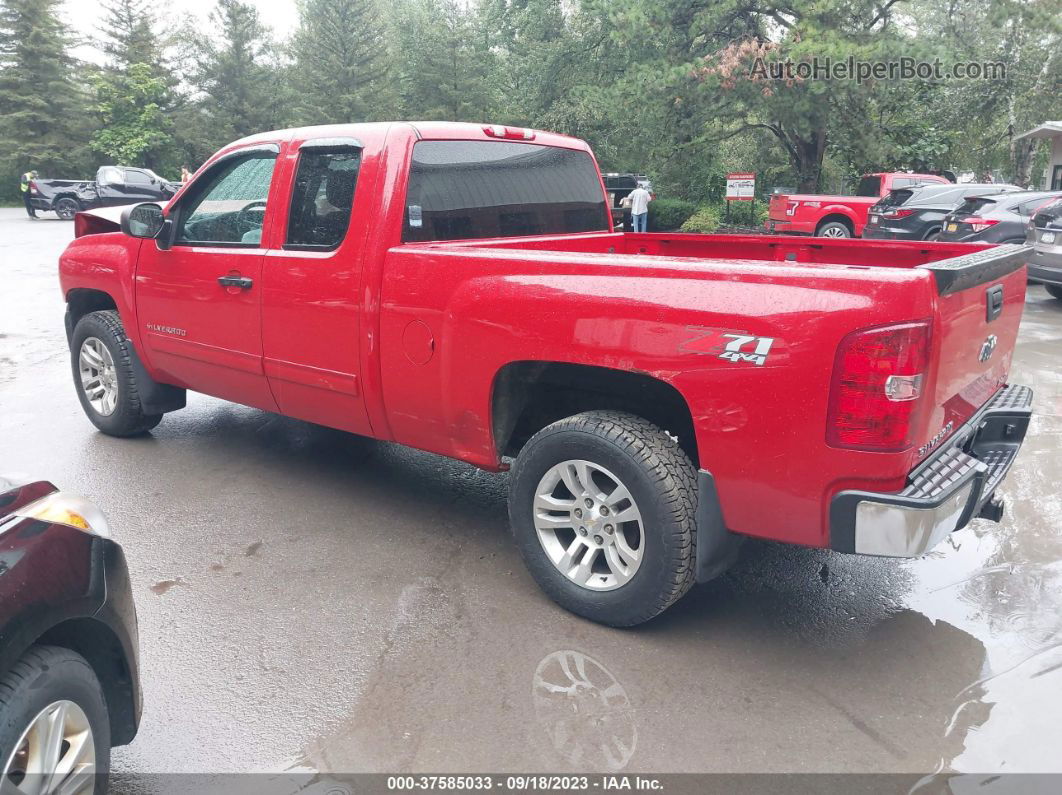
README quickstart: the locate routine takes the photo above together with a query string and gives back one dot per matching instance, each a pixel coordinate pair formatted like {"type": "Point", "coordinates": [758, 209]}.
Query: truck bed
{"type": "Point", "coordinates": [741, 248]}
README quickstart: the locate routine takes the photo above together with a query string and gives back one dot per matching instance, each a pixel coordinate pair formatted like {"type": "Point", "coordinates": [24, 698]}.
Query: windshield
{"type": "Point", "coordinates": [460, 190]}
{"type": "Point", "coordinates": [975, 205]}
{"type": "Point", "coordinates": [895, 198]}
{"type": "Point", "coordinates": [869, 186]}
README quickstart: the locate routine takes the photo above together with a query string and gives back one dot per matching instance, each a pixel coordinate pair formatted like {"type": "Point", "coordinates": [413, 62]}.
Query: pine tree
{"type": "Point", "coordinates": [128, 31]}
{"type": "Point", "coordinates": [136, 93]}
{"type": "Point", "coordinates": [43, 110]}
{"type": "Point", "coordinates": [444, 66]}
{"type": "Point", "coordinates": [342, 67]}
{"type": "Point", "coordinates": [237, 74]}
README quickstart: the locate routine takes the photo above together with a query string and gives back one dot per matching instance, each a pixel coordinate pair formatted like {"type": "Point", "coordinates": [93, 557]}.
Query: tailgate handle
{"type": "Point", "coordinates": [994, 300]}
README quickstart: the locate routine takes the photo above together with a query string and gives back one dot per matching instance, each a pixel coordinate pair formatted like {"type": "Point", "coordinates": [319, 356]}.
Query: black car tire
{"type": "Point", "coordinates": [128, 417]}
{"type": "Point", "coordinates": [835, 229]}
{"type": "Point", "coordinates": [1054, 290]}
{"type": "Point", "coordinates": [662, 481]}
{"type": "Point", "coordinates": [44, 675]}
{"type": "Point", "coordinates": [66, 208]}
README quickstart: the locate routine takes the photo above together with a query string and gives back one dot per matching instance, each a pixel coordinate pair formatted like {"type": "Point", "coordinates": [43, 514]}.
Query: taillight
{"type": "Point", "coordinates": [878, 379]}
{"type": "Point", "coordinates": [516, 133]}
{"type": "Point", "coordinates": [897, 212]}
{"type": "Point", "coordinates": [32, 186]}
{"type": "Point", "coordinates": [978, 223]}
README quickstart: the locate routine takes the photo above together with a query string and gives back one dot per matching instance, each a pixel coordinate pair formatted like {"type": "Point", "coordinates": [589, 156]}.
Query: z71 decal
{"type": "Point", "coordinates": [738, 347]}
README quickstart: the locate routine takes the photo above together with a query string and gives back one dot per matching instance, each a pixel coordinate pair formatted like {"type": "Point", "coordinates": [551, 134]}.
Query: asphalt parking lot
{"type": "Point", "coordinates": [315, 601]}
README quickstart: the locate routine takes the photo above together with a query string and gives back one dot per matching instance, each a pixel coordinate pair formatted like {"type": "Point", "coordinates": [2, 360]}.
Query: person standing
{"type": "Point", "coordinates": [186, 175]}
{"type": "Point", "coordinates": [639, 199]}
{"type": "Point", "coordinates": [26, 199]}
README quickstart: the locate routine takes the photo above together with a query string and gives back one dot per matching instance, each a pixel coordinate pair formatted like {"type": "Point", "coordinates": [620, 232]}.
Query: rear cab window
{"type": "Point", "coordinates": [462, 190]}
{"type": "Point", "coordinates": [869, 186]}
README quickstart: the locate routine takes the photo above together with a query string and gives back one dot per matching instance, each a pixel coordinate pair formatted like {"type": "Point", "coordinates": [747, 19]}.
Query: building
{"type": "Point", "coordinates": [1052, 131]}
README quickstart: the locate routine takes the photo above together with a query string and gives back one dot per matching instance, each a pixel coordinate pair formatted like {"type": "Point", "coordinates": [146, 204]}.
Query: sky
{"type": "Point", "coordinates": [83, 17]}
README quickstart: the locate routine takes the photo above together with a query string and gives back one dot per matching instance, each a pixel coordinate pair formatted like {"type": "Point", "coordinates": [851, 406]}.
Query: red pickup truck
{"type": "Point", "coordinates": [457, 288]}
{"type": "Point", "coordinates": [836, 216]}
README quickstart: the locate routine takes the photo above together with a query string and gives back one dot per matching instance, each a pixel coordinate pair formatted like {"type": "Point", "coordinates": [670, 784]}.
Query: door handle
{"type": "Point", "coordinates": [242, 282]}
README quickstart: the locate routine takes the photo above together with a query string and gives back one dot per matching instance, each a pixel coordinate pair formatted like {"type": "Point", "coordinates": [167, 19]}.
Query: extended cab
{"type": "Point", "coordinates": [658, 397]}
{"type": "Point", "coordinates": [114, 185]}
{"type": "Point", "coordinates": [837, 216]}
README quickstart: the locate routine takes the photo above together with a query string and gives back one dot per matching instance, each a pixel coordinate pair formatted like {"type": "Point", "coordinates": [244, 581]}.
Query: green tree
{"type": "Point", "coordinates": [44, 119]}
{"type": "Point", "coordinates": [128, 34]}
{"type": "Point", "coordinates": [444, 68]}
{"type": "Point", "coordinates": [130, 105]}
{"type": "Point", "coordinates": [136, 92]}
{"type": "Point", "coordinates": [342, 70]}
{"type": "Point", "coordinates": [237, 78]}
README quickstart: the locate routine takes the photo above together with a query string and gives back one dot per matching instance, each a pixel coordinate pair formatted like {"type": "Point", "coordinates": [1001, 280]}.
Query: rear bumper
{"type": "Point", "coordinates": [944, 492]}
{"type": "Point", "coordinates": [787, 227]}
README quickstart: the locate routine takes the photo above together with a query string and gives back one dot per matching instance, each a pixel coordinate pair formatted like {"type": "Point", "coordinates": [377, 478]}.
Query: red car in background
{"type": "Point", "coordinates": [837, 216]}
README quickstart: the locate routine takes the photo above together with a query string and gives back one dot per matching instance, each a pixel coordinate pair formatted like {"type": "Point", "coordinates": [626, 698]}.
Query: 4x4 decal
{"type": "Point", "coordinates": [732, 346]}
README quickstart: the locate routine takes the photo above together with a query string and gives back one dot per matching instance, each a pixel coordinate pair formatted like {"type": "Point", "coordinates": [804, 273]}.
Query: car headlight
{"type": "Point", "coordinates": [69, 510]}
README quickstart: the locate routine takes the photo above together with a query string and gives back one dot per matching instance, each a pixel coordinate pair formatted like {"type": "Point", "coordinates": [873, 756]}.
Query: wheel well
{"type": "Point", "coordinates": [59, 196]}
{"type": "Point", "coordinates": [99, 645]}
{"type": "Point", "coordinates": [933, 230]}
{"type": "Point", "coordinates": [528, 396]}
{"type": "Point", "coordinates": [829, 219]}
{"type": "Point", "coordinates": [80, 301]}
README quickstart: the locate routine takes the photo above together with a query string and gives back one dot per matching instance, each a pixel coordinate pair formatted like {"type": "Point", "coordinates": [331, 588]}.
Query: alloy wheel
{"type": "Point", "coordinates": [99, 377]}
{"type": "Point", "coordinates": [589, 525]}
{"type": "Point", "coordinates": [56, 754]}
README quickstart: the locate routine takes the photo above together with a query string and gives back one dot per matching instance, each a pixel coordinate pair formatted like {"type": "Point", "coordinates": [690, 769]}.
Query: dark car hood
{"type": "Point", "coordinates": [13, 496]}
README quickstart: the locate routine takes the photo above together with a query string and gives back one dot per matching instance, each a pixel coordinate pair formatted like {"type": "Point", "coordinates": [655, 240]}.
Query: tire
{"type": "Point", "coordinates": [45, 677]}
{"type": "Point", "coordinates": [1054, 290]}
{"type": "Point", "coordinates": [833, 229]}
{"type": "Point", "coordinates": [661, 482]}
{"type": "Point", "coordinates": [126, 418]}
{"type": "Point", "coordinates": [66, 208]}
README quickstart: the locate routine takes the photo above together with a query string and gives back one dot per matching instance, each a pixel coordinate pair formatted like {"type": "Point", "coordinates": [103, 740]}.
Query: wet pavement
{"type": "Point", "coordinates": [310, 600]}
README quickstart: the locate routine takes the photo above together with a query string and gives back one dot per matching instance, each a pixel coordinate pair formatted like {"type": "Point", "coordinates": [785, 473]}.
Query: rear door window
{"type": "Point", "coordinates": [323, 197]}
{"type": "Point", "coordinates": [479, 189]}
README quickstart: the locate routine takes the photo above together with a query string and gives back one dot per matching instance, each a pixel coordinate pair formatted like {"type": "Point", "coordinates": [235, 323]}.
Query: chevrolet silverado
{"type": "Point", "coordinates": [658, 397]}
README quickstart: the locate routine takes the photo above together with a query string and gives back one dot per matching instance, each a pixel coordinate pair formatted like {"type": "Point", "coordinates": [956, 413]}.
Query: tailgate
{"type": "Point", "coordinates": [980, 304]}
{"type": "Point", "coordinates": [776, 207]}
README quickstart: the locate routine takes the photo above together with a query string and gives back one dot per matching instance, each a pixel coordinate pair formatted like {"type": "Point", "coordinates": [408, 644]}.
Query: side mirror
{"type": "Point", "coordinates": [147, 221]}
{"type": "Point", "coordinates": [143, 220]}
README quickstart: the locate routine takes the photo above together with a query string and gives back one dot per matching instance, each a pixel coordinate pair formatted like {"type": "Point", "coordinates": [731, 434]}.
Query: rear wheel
{"type": "Point", "coordinates": [834, 229]}
{"type": "Point", "coordinates": [1054, 290]}
{"type": "Point", "coordinates": [67, 208]}
{"type": "Point", "coordinates": [603, 506]}
{"type": "Point", "coordinates": [103, 376]}
{"type": "Point", "coordinates": [54, 728]}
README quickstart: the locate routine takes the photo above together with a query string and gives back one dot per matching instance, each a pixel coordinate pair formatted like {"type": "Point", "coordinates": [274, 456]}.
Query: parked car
{"type": "Point", "coordinates": [114, 185]}
{"type": "Point", "coordinates": [1045, 235]}
{"type": "Point", "coordinates": [660, 396]}
{"type": "Point", "coordinates": [69, 686]}
{"type": "Point", "coordinates": [917, 213]}
{"type": "Point", "coordinates": [837, 216]}
{"type": "Point", "coordinates": [1002, 218]}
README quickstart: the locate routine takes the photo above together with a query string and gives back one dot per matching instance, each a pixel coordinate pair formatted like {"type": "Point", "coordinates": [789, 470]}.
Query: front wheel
{"type": "Point", "coordinates": [1054, 290]}
{"type": "Point", "coordinates": [67, 208]}
{"type": "Point", "coordinates": [54, 728]}
{"type": "Point", "coordinates": [103, 376]}
{"type": "Point", "coordinates": [603, 506]}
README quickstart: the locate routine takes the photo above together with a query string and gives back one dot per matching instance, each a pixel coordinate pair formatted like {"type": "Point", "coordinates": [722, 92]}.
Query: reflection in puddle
{"type": "Point", "coordinates": [584, 711]}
